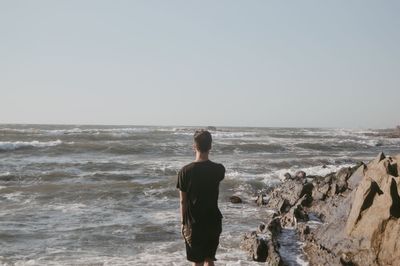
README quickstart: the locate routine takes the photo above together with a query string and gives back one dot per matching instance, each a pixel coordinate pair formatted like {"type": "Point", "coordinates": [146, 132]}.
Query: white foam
{"type": "Point", "coordinates": [13, 196]}
{"type": "Point", "coordinates": [317, 170]}
{"type": "Point", "coordinates": [63, 131]}
{"type": "Point", "coordinates": [73, 207]}
{"type": "Point", "coordinates": [5, 174]}
{"type": "Point", "coordinates": [300, 261]}
{"type": "Point", "coordinates": [13, 145]}
{"type": "Point", "coordinates": [96, 131]}
{"type": "Point", "coordinates": [217, 134]}
{"type": "Point", "coordinates": [117, 172]}
{"type": "Point", "coordinates": [162, 217]}
{"type": "Point", "coordinates": [222, 134]}
{"type": "Point", "coordinates": [272, 178]}
{"type": "Point", "coordinates": [27, 263]}
{"type": "Point", "coordinates": [268, 178]}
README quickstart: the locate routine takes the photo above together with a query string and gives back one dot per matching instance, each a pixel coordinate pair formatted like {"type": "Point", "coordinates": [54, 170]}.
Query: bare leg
{"type": "Point", "coordinates": [209, 262]}
{"type": "Point", "coordinates": [198, 263]}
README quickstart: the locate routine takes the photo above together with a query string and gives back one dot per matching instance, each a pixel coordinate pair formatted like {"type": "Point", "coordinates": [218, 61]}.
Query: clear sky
{"type": "Point", "coordinates": [223, 63]}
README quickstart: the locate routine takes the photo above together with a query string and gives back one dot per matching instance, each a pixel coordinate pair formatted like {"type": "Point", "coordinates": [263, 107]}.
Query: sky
{"type": "Point", "coordinates": [221, 63]}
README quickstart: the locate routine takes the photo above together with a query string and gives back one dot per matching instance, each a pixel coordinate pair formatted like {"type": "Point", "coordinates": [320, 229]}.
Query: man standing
{"type": "Point", "coordinates": [198, 183]}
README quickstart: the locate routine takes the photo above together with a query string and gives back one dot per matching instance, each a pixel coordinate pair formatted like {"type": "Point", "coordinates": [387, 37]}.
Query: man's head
{"type": "Point", "coordinates": [202, 140]}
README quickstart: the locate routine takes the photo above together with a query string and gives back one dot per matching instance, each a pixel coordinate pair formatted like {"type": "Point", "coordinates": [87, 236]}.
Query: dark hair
{"type": "Point", "coordinates": [202, 139]}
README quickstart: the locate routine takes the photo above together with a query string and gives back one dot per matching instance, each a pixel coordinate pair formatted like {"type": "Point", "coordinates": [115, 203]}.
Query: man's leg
{"type": "Point", "coordinates": [208, 262]}
{"type": "Point", "coordinates": [198, 263]}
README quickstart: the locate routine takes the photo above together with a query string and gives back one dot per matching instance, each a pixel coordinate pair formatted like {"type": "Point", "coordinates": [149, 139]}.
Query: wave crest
{"type": "Point", "coordinates": [14, 145]}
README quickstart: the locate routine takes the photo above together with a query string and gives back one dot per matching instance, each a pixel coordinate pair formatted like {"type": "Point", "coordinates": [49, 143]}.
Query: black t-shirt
{"type": "Point", "coordinates": [200, 180]}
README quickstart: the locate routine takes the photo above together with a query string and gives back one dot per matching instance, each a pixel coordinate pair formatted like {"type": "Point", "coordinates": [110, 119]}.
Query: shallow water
{"type": "Point", "coordinates": [105, 195]}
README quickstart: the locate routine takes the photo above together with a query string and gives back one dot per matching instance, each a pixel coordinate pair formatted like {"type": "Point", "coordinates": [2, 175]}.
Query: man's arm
{"type": "Point", "coordinates": [182, 196]}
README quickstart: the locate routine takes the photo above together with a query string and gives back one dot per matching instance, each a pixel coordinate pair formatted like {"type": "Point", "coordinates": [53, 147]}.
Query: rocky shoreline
{"type": "Point", "coordinates": [357, 210]}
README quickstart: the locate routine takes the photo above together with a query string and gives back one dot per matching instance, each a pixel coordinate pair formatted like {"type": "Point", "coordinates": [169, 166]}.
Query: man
{"type": "Point", "coordinates": [198, 183]}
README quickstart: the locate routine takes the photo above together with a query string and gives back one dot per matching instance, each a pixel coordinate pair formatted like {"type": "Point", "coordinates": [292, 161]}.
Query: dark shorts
{"type": "Point", "coordinates": [205, 241]}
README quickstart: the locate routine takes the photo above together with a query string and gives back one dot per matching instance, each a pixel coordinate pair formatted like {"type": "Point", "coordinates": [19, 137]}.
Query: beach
{"type": "Point", "coordinates": [106, 195]}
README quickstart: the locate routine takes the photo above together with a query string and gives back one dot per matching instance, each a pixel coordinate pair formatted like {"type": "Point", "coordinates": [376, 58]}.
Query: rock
{"type": "Point", "coordinates": [308, 179]}
{"type": "Point", "coordinates": [307, 189]}
{"type": "Point", "coordinates": [379, 158]}
{"type": "Point", "coordinates": [376, 204]}
{"type": "Point", "coordinates": [345, 260]}
{"type": "Point", "coordinates": [261, 228]}
{"type": "Point", "coordinates": [284, 206]}
{"type": "Point", "coordinates": [289, 190]}
{"type": "Point", "coordinates": [341, 179]}
{"type": "Point", "coordinates": [289, 219]}
{"type": "Point", "coordinates": [235, 199]}
{"type": "Point", "coordinates": [295, 214]}
{"type": "Point", "coordinates": [368, 192]}
{"type": "Point", "coordinates": [359, 207]}
{"type": "Point", "coordinates": [306, 193]}
{"type": "Point", "coordinates": [391, 167]}
{"type": "Point", "coordinates": [307, 200]}
{"type": "Point", "coordinates": [275, 226]}
{"type": "Point", "coordinates": [328, 178]}
{"type": "Point", "coordinates": [318, 195]}
{"type": "Point", "coordinates": [318, 255]}
{"type": "Point", "coordinates": [274, 258]}
{"type": "Point", "coordinates": [303, 230]}
{"type": "Point", "coordinates": [356, 177]}
{"type": "Point", "coordinates": [288, 176]}
{"type": "Point", "coordinates": [260, 200]}
{"type": "Point", "coordinates": [300, 214]}
{"type": "Point", "coordinates": [275, 214]}
{"type": "Point", "coordinates": [344, 173]}
{"type": "Point", "coordinates": [362, 223]}
{"type": "Point", "coordinates": [341, 186]}
{"type": "Point", "coordinates": [300, 175]}
{"type": "Point", "coordinates": [321, 192]}
{"type": "Point", "coordinates": [256, 246]}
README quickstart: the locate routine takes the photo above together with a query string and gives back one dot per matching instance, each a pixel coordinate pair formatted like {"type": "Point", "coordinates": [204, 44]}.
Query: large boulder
{"type": "Point", "coordinates": [362, 225]}
{"type": "Point", "coordinates": [375, 212]}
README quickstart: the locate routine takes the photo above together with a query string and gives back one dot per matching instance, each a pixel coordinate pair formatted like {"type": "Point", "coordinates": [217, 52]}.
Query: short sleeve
{"type": "Point", "coordinates": [222, 172]}
{"type": "Point", "coordinates": [182, 181]}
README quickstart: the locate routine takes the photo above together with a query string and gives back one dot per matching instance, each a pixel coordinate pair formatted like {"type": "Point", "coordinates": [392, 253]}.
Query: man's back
{"type": "Point", "coordinates": [201, 182]}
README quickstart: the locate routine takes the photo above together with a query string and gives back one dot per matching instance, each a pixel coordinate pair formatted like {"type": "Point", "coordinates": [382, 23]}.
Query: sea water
{"type": "Point", "coordinates": [106, 195]}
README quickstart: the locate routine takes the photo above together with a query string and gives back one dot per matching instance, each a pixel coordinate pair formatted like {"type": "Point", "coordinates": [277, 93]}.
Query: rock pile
{"type": "Point", "coordinates": [359, 208]}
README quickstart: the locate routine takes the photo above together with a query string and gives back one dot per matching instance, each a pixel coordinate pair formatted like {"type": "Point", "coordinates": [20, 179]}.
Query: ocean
{"type": "Point", "coordinates": [106, 195]}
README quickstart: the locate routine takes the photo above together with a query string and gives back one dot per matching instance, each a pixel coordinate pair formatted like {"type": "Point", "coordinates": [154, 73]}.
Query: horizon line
{"type": "Point", "coordinates": [190, 126]}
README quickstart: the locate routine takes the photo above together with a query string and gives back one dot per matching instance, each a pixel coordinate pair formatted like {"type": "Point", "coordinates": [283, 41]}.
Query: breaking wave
{"type": "Point", "coordinates": [14, 145]}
